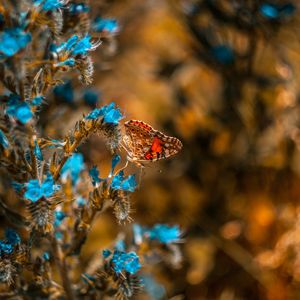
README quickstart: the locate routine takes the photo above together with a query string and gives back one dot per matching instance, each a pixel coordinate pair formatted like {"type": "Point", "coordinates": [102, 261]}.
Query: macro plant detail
{"type": "Point", "coordinates": [42, 44]}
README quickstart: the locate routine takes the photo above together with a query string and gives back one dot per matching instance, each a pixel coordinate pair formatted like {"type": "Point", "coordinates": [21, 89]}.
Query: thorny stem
{"type": "Point", "coordinates": [62, 267]}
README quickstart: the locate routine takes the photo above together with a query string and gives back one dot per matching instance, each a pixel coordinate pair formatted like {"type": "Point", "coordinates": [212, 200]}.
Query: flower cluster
{"type": "Point", "coordinates": [162, 233]}
{"type": "Point", "coordinates": [67, 53]}
{"type": "Point", "coordinates": [40, 39]}
{"type": "Point", "coordinates": [36, 190]}
{"type": "Point", "coordinates": [122, 261]}
{"type": "Point", "coordinates": [73, 167]}
{"type": "Point", "coordinates": [12, 40]}
{"type": "Point", "coordinates": [8, 244]}
{"type": "Point", "coordinates": [110, 114]}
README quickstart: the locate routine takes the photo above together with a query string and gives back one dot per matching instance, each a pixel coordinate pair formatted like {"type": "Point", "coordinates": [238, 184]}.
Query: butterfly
{"type": "Point", "coordinates": [143, 143]}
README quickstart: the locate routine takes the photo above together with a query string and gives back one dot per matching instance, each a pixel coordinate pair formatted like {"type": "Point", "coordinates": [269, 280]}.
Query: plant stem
{"type": "Point", "coordinates": [62, 267]}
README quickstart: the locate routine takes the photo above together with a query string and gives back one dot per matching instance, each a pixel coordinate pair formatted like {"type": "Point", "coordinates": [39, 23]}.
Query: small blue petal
{"type": "Point", "coordinates": [164, 233]}
{"type": "Point", "coordinates": [64, 92]}
{"type": "Point", "coordinates": [115, 160]}
{"type": "Point", "coordinates": [223, 54]}
{"type": "Point", "coordinates": [13, 40]}
{"type": "Point", "coordinates": [94, 174]}
{"type": "Point", "coordinates": [78, 8]}
{"type": "Point", "coordinates": [80, 201]}
{"type": "Point", "coordinates": [106, 253]}
{"type": "Point", "coordinates": [12, 237]}
{"type": "Point", "coordinates": [58, 235]}
{"type": "Point", "coordinates": [120, 245]}
{"type": "Point", "coordinates": [269, 11]}
{"type": "Point", "coordinates": [117, 181]}
{"type": "Point", "coordinates": [138, 232]}
{"type": "Point", "coordinates": [73, 166]}
{"type": "Point", "coordinates": [113, 116]}
{"type": "Point", "coordinates": [49, 5]}
{"type": "Point", "coordinates": [37, 151]}
{"type": "Point", "coordinates": [287, 10]}
{"type": "Point", "coordinates": [82, 46]}
{"type": "Point", "coordinates": [109, 25]}
{"type": "Point", "coordinates": [154, 289]}
{"type": "Point", "coordinates": [6, 248]}
{"type": "Point", "coordinates": [48, 186]}
{"type": "Point", "coordinates": [129, 184]}
{"type": "Point", "coordinates": [46, 256]}
{"type": "Point", "coordinates": [91, 97]}
{"type": "Point", "coordinates": [3, 140]}
{"type": "Point", "coordinates": [33, 190]}
{"type": "Point", "coordinates": [17, 186]}
{"type": "Point", "coordinates": [37, 100]}
{"type": "Point", "coordinates": [59, 217]}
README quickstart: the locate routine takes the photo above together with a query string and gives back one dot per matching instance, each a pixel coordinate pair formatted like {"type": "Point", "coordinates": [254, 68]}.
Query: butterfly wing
{"type": "Point", "coordinates": [163, 146]}
{"type": "Point", "coordinates": [138, 139]}
{"type": "Point", "coordinates": [146, 144]}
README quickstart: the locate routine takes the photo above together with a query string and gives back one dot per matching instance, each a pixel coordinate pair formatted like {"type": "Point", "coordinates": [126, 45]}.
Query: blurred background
{"type": "Point", "coordinates": [222, 76]}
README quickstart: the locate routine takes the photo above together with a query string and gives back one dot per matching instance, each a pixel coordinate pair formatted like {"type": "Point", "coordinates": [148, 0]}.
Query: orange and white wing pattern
{"type": "Point", "coordinates": [143, 143]}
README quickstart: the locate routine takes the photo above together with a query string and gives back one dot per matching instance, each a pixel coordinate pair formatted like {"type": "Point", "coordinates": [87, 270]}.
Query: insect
{"type": "Point", "coordinates": [143, 143]}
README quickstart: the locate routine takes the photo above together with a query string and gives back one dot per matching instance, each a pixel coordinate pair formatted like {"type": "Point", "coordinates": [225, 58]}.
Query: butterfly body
{"type": "Point", "coordinates": [144, 144]}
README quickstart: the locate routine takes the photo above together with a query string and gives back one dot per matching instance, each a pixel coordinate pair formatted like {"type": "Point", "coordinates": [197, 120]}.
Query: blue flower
{"type": "Point", "coordinates": [6, 248]}
{"type": "Point", "coordinates": [18, 109]}
{"type": "Point", "coordinates": [46, 256]}
{"type": "Point", "coordinates": [49, 5]}
{"type": "Point", "coordinates": [128, 184]}
{"type": "Point", "coordinates": [275, 11]}
{"type": "Point", "coordinates": [91, 97]}
{"type": "Point", "coordinates": [73, 166]}
{"type": "Point", "coordinates": [109, 25]}
{"type": "Point", "coordinates": [59, 217]}
{"type": "Point", "coordinates": [12, 237]}
{"type": "Point", "coordinates": [109, 113]}
{"type": "Point", "coordinates": [35, 190]}
{"type": "Point", "coordinates": [37, 100]}
{"type": "Point", "coordinates": [94, 174]}
{"type": "Point", "coordinates": [138, 233]}
{"type": "Point", "coordinates": [164, 233]}
{"type": "Point", "coordinates": [123, 261]}
{"type": "Point", "coordinates": [80, 201]}
{"type": "Point", "coordinates": [78, 8]}
{"type": "Point", "coordinates": [106, 253]}
{"type": "Point", "coordinates": [17, 186]}
{"type": "Point", "coordinates": [154, 289]}
{"type": "Point", "coordinates": [269, 11]}
{"type": "Point", "coordinates": [64, 92]}
{"type": "Point", "coordinates": [120, 245]}
{"type": "Point", "coordinates": [13, 40]}
{"type": "Point", "coordinates": [58, 235]}
{"type": "Point", "coordinates": [115, 160]}
{"type": "Point", "coordinates": [37, 151]}
{"type": "Point", "coordinates": [65, 46]}
{"type": "Point", "coordinates": [113, 116]}
{"type": "Point", "coordinates": [48, 186]}
{"type": "Point", "coordinates": [223, 54]}
{"type": "Point", "coordinates": [3, 140]}
{"type": "Point", "coordinates": [83, 46]}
